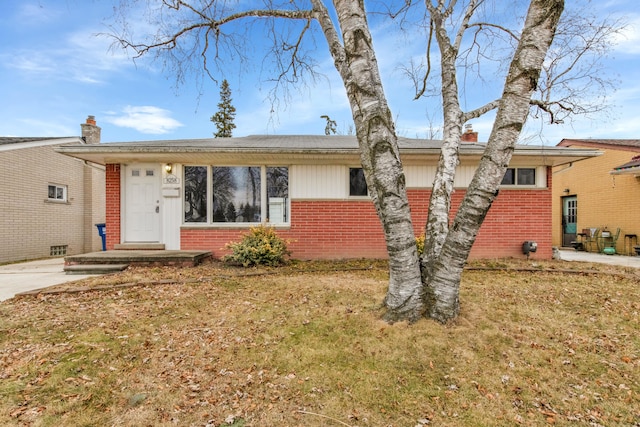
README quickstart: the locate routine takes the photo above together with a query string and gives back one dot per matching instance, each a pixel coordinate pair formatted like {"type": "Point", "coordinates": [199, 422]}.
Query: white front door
{"type": "Point", "coordinates": [142, 203]}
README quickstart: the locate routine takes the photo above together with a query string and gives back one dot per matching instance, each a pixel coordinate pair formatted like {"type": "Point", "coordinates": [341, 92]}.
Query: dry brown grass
{"type": "Point", "coordinates": [303, 346]}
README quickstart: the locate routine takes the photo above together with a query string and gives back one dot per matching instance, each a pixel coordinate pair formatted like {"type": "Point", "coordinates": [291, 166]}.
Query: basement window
{"type": "Point", "coordinates": [60, 250]}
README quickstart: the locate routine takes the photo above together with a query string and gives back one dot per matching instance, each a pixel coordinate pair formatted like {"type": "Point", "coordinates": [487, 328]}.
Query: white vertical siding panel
{"type": "Point", "coordinates": [172, 210]}
{"type": "Point", "coordinates": [541, 177]}
{"type": "Point", "coordinates": [423, 176]}
{"type": "Point", "coordinates": [419, 176]}
{"type": "Point", "coordinates": [172, 220]}
{"type": "Point", "coordinates": [464, 175]}
{"type": "Point", "coordinates": [318, 181]}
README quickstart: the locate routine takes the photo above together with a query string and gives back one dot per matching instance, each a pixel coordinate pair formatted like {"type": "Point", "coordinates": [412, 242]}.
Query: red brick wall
{"type": "Point", "coordinates": [319, 230]}
{"type": "Point", "coordinates": [351, 229]}
{"type": "Point", "coordinates": [113, 205]}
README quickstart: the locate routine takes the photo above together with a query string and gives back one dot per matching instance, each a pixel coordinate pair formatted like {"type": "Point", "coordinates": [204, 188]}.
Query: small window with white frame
{"type": "Point", "coordinates": [57, 193]}
{"type": "Point", "coordinates": [519, 177]}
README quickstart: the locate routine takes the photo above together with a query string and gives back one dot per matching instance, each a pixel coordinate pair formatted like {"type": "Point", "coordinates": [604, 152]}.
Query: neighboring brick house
{"type": "Point", "coordinates": [50, 202]}
{"type": "Point", "coordinates": [600, 192]}
{"type": "Point", "coordinates": [204, 193]}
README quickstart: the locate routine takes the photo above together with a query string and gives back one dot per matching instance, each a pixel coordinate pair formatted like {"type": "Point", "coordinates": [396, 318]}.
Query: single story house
{"type": "Point", "coordinates": [201, 194]}
{"type": "Point", "coordinates": [51, 202]}
{"type": "Point", "coordinates": [599, 194]}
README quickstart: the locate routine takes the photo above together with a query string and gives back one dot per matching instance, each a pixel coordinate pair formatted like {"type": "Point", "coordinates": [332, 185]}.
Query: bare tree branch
{"type": "Point", "coordinates": [480, 111]}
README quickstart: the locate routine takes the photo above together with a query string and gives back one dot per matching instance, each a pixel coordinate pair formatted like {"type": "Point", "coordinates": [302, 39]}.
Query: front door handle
{"type": "Point", "coordinates": [157, 209]}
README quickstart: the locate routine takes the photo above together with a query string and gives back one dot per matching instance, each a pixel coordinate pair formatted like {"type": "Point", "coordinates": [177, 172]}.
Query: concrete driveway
{"type": "Point", "coordinates": [27, 276]}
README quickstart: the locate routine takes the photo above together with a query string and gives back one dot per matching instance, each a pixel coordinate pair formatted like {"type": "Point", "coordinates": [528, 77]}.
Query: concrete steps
{"type": "Point", "coordinates": [136, 257]}
{"type": "Point", "coordinates": [94, 268]}
{"type": "Point", "coordinates": [139, 247]}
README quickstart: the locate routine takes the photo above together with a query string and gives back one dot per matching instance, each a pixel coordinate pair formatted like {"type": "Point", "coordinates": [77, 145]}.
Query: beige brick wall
{"type": "Point", "coordinates": [604, 200]}
{"type": "Point", "coordinates": [30, 224]}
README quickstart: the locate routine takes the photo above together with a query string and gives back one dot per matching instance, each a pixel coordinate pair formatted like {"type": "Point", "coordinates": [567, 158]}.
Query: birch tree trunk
{"type": "Point", "coordinates": [437, 226]}
{"type": "Point", "coordinates": [442, 288]}
{"type": "Point", "coordinates": [356, 62]}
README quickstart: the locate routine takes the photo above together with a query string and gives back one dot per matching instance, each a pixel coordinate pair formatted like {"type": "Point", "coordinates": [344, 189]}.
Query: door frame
{"type": "Point", "coordinates": [125, 209]}
{"type": "Point", "coordinates": [568, 237]}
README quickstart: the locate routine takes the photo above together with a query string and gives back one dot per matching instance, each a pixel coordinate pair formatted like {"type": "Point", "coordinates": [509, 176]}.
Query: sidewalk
{"type": "Point", "coordinates": [27, 276]}
{"type": "Point", "coordinates": [581, 256]}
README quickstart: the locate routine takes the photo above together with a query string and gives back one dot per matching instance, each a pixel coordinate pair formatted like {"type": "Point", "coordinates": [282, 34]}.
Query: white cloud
{"type": "Point", "coordinates": [145, 119]}
{"type": "Point", "coordinates": [82, 57]}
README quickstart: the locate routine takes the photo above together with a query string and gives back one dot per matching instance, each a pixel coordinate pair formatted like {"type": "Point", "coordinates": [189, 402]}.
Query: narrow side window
{"type": "Point", "coordinates": [357, 183]}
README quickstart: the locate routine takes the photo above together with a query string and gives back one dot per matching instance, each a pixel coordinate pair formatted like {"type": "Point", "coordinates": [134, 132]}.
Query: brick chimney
{"type": "Point", "coordinates": [469, 136]}
{"type": "Point", "coordinates": [90, 132]}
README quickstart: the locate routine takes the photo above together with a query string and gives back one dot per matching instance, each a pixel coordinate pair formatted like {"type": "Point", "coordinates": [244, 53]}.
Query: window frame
{"type": "Point", "coordinates": [516, 175]}
{"type": "Point", "coordinates": [264, 199]}
{"type": "Point", "coordinates": [57, 188]}
{"type": "Point", "coordinates": [349, 186]}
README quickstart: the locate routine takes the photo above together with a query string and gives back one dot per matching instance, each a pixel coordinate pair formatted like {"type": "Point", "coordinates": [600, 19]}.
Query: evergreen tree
{"type": "Point", "coordinates": [226, 113]}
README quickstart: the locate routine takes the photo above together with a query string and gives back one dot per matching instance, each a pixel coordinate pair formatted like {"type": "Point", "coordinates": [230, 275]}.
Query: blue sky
{"type": "Point", "coordinates": [55, 72]}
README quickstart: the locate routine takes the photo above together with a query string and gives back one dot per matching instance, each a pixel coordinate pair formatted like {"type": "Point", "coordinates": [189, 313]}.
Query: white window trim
{"type": "Point", "coordinates": [365, 197]}
{"type": "Point", "coordinates": [540, 178]}
{"type": "Point", "coordinates": [263, 202]}
{"type": "Point", "coordinates": [65, 193]}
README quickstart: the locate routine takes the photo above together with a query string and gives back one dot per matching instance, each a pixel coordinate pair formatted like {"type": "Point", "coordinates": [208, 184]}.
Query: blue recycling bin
{"type": "Point", "coordinates": [102, 231]}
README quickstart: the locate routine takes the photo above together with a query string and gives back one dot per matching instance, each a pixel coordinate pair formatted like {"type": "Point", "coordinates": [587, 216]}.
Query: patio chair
{"type": "Point", "coordinates": [591, 239]}
{"type": "Point", "coordinates": [609, 242]}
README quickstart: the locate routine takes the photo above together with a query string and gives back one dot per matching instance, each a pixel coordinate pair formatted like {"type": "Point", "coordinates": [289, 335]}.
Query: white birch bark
{"type": "Point", "coordinates": [356, 62]}
{"type": "Point", "coordinates": [443, 287]}
{"type": "Point", "coordinates": [437, 226]}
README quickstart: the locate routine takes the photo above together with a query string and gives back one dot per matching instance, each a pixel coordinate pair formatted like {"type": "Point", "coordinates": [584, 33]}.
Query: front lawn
{"type": "Point", "coordinates": [303, 345]}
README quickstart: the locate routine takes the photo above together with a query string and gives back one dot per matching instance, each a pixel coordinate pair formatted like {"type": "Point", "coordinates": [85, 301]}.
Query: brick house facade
{"type": "Point", "coordinates": [50, 201]}
{"type": "Point", "coordinates": [323, 219]}
{"type": "Point", "coordinates": [605, 195]}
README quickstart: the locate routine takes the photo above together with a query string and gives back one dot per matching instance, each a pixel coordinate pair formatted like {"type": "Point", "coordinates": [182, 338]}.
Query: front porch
{"type": "Point", "coordinates": [119, 259]}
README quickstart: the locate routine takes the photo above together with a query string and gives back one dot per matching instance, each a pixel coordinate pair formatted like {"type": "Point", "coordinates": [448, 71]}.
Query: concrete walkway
{"type": "Point", "coordinates": [27, 276]}
{"type": "Point", "coordinates": [581, 256]}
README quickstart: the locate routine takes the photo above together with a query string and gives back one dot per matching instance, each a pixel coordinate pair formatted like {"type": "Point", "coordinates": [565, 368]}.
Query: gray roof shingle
{"type": "Point", "coordinates": [6, 140]}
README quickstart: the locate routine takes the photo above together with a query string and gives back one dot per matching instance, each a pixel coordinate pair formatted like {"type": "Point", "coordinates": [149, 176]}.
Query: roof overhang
{"type": "Point", "coordinates": [306, 149]}
{"type": "Point", "coordinates": [629, 168]}
{"type": "Point", "coordinates": [21, 143]}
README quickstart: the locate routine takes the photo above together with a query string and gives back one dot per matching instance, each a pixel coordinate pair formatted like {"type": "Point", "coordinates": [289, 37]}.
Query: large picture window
{"type": "Point", "coordinates": [236, 194]}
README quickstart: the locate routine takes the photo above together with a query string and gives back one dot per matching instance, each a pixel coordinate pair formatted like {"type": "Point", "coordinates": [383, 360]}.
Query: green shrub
{"type": "Point", "coordinates": [260, 246]}
{"type": "Point", "coordinates": [420, 244]}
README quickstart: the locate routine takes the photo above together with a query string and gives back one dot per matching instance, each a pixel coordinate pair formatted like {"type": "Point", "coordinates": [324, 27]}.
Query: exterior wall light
{"type": "Point", "coordinates": [529, 247]}
{"type": "Point", "coordinates": [168, 167]}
